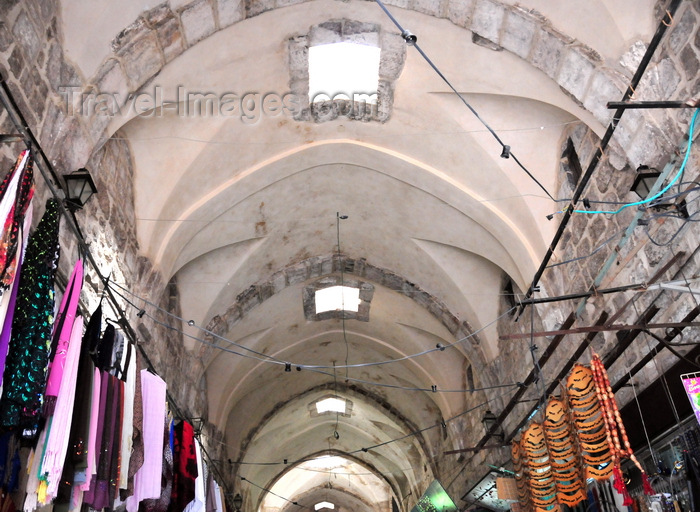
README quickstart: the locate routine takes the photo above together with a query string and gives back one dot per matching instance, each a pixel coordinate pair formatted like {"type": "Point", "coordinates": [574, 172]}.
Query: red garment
{"type": "Point", "coordinates": [185, 467]}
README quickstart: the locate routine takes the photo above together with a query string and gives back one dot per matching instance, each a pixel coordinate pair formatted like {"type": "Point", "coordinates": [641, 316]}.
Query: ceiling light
{"type": "Point", "coordinates": [324, 504]}
{"type": "Point", "coordinates": [337, 298]}
{"type": "Point", "coordinates": [343, 71]}
{"type": "Point", "coordinates": [331, 404]}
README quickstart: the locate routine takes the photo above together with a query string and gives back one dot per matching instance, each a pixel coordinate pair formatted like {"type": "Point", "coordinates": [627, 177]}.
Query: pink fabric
{"type": "Point", "coordinates": [147, 481]}
{"type": "Point", "coordinates": [68, 309]}
{"type": "Point", "coordinates": [92, 439]}
{"type": "Point", "coordinates": [59, 435]}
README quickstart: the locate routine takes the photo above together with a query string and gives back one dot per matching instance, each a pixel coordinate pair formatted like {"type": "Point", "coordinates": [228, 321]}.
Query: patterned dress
{"type": "Point", "coordinates": [24, 378]}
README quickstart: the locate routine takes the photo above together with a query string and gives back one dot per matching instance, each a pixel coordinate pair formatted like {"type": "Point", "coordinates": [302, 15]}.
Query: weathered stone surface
{"type": "Point", "coordinates": [131, 33]}
{"type": "Point", "coordinates": [682, 28]}
{"type": "Point", "coordinates": [435, 8]}
{"type": "Point", "coordinates": [298, 51]}
{"type": "Point", "coordinates": [170, 38]}
{"type": "Point", "coordinates": [631, 59]}
{"type": "Point", "coordinates": [575, 73]}
{"type": "Point", "coordinates": [459, 12]}
{"type": "Point", "coordinates": [547, 51]}
{"type": "Point", "coordinates": [392, 57]}
{"type": "Point", "coordinates": [16, 62]}
{"type": "Point", "coordinates": [689, 60]}
{"type": "Point", "coordinates": [488, 19]}
{"type": "Point", "coordinates": [255, 7]}
{"type": "Point", "coordinates": [111, 79]}
{"type": "Point", "coordinates": [230, 12]}
{"type": "Point", "coordinates": [647, 147]}
{"type": "Point", "coordinates": [5, 37]}
{"type": "Point", "coordinates": [197, 21]}
{"type": "Point", "coordinates": [141, 59]}
{"type": "Point", "coordinates": [659, 81]}
{"type": "Point", "coordinates": [24, 31]}
{"type": "Point", "coordinates": [285, 3]}
{"type": "Point", "coordinates": [485, 43]}
{"type": "Point", "coordinates": [403, 4]}
{"type": "Point", "coordinates": [519, 32]}
{"type": "Point", "coordinates": [605, 86]}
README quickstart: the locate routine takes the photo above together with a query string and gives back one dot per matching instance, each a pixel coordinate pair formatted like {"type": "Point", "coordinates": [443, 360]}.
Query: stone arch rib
{"type": "Point", "coordinates": [320, 266]}
{"type": "Point", "coordinates": [161, 34]}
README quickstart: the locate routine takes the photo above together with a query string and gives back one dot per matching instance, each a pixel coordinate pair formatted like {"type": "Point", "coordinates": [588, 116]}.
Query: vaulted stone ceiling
{"type": "Point", "coordinates": [243, 213]}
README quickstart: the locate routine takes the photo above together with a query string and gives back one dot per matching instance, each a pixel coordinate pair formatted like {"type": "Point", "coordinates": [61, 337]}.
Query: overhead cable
{"type": "Point", "coordinates": [506, 151]}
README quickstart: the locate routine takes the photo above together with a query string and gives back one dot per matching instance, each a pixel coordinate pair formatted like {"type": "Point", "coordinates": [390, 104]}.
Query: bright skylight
{"type": "Point", "coordinates": [343, 71]}
{"type": "Point", "coordinates": [337, 298]}
{"type": "Point", "coordinates": [324, 504]}
{"type": "Point", "coordinates": [326, 462]}
{"type": "Point", "coordinates": [331, 405]}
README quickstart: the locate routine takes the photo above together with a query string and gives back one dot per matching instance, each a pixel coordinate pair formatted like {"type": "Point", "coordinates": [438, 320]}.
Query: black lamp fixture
{"type": "Point", "coordinates": [197, 425]}
{"type": "Point", "coordinates": [79, 188]}
{"type": "Point", "coordinates": [644, 181]}
{"type": "Point", "coordinates": [490, 420]}
{"type": "Point", "coordinates": [237, 501]}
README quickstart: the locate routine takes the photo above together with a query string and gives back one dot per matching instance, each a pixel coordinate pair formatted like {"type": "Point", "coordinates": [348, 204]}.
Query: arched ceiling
{"type": "Point", "coordinates": [243, 215]}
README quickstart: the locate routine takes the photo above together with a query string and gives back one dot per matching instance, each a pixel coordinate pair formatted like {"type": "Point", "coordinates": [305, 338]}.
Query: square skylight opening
{"type": "Point", "coordinates": [324, 504]}
{"type": "Point", "coordinates": [343, 71]}
{"type": "Point", "coordinates": [331, 405]}
{"type": "Point", "coordinates": [337, 298]}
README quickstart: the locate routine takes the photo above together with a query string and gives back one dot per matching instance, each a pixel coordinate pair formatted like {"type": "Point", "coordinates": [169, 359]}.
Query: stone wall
{"type": "Point", "coordinates": [33, 64]}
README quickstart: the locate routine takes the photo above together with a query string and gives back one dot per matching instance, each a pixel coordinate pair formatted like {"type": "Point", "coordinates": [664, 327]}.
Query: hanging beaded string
{"type": "Point", "coordinates": [615, 430]}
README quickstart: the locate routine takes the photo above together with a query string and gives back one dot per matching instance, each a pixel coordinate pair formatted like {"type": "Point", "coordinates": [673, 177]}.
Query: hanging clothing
{"type": "Point", "coordinates": [24, 378]}
{"type": "Point", "coordinates": [129, 382]}
{"type": "Point", "coordinates": [77, 457]}
{"type": "Point", "coordinates": [9, 298]}
{"type": "Point", "coordinates": [148, 479]}
{"type": "Point", "coordinates": [85, 479]}
{"type": "Point", "coordinates": [63, 331]}
{"type": "Point", "coordinates": [103, 351]}
{"type": "Point", "coordinates": [137, 443]}
{"type": "Point", "coordinates": [60, 423]}
{"type": "Point", "coordinates": [102, 492]}
{"type": "Point", "coordinates": [162, 504]}
{"type": "Point", "coordinates": [198, 504]}
{"type": "Point", "coordinates": [9, 461]}
{"type": "Point", "coordinates": [16, 192]}
{"type": "Point", "coordinates": [185, 466]}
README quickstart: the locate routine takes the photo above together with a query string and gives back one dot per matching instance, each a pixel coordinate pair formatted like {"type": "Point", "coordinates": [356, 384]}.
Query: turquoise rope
{"type": "Point", "coordinates": [661, 192]}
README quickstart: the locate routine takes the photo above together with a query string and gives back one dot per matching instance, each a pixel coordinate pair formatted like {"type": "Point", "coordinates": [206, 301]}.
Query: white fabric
{"type": "Point", "coordinates": [92, 442]}
{"type": "Point", "coordinates": [147, 480]}
{"type": "Point", "coordinates": [30, 501]}
{"type": "Point", "coordinates": [59, 435]}
{"type": "Point", "coordinates": [218, 493]}
{"type": "Point", "coordinates": [128, 422]}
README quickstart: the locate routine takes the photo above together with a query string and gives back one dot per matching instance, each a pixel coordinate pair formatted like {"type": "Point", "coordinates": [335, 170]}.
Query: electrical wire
{"type": "Point", "coordinates": [318, 370]}
{"type": "Point", "coordinates": [592, 253]}
{"type": "Point", "coordinates": [662, 191]}
{"type": "Point", "coordinates": [270, 359]}
{"type": "Point", "coordinates": [678, 231]}
{"type": "Point", "coordinates": [338, 218]}
{"type": "Point", "coordinates": [506, 152]}
{"type": "Point", "coordinates": [265, 489]}
{"type": "Point", "coordinates": [378, 445]}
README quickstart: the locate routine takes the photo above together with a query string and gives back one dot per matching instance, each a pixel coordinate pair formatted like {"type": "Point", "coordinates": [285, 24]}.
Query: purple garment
{"type": "Point", "coordinates": [90, 494]}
